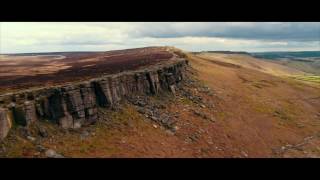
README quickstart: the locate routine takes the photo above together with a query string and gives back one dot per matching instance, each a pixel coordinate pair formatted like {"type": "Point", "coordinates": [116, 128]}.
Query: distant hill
{"type": "Point", "coordinates": [290, 55]}
{"type": "Point", "coordinates": [307, 61]}
{"type": "Point", "coordinates": [50, 53]}
{"type": "Point", "coordinates": [224, 52]}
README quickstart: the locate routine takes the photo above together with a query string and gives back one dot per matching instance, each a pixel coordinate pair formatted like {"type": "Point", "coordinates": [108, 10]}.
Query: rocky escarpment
{"type": "Point", "coordinates": [74, 105]}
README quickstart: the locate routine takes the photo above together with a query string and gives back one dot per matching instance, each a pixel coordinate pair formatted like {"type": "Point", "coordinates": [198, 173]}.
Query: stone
{"type": "Point", "coordinates": [196, 112]}
{"type": "Point", "coordinates": [193, 138]}
{"type": "Point", "coordinates": [244, 154]}
{"type": "Point", "coordinates": [175, 128]}
{"type": "Point", "coordinates": [84, 135]}
{"type": "Point", "coordinates": [39, 109]}
{"type": "Point", "coordinates": [201, 114]}
{"type": "Point", "coordinates": [89, 99]}
{"type": "Point", "coordinates": [173, 89]}
{"type": "Point", "coordinates": [66, 121]}
{"type": "Point", "coordinates": [141, 103]}
{"type": "Point", "coordinates": [53, 105]}
{"type": "Point", "coordinates": [153, 79]}
{"type": "Point", "coordinates": [3, 149]}
{"type": "Point", "coordinates": [5, 123]}
{"type": "Point", "coordinates": [161, 106]}
{"type": "Point", "coordinates": [75, 105]}
{"type": "Point", "coordinates": [103, 93]}
{"type": "Point", "coordinates": [30, 138]}
{"type": "Point", "coordinates": [24, 131]}
{"type": "Point", "coordinates": [141, 110]}
{"type": "Point", "coordinates": [154, 118]}
{"type": "Point", "coordinates": [40, 148]}
{"type": "Point", "coordinates": [30, 112]}
{"type": "Point", "coordinates": [50, 153]}
{"type": "Point", "coordinates": [170, 132]}
{"type": "Point", "coordinates": [164, 119]}
{"type": "Point", "coordinates": [42, 132]}
{"type": "Point", "coordinates": [299, 125]}
{"type": "Point", "coordinates": [212, 119]}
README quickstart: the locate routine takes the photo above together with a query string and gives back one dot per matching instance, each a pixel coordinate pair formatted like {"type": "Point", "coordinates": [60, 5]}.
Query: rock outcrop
{"type": "Point", "coordinates": [74, 105]}
{"type": "Point", "coordinates": [5, 123]}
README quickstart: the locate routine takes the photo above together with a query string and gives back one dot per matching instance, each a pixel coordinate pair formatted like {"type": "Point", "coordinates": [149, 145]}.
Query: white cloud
{"type": "Point", "coordinates": [96, 36]}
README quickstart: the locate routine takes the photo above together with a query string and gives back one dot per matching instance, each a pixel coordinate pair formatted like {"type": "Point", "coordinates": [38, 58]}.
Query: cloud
{"type": "Point", "coordinates": [193, 36]}
{"type": "Point", "coordinates": [303, 31]}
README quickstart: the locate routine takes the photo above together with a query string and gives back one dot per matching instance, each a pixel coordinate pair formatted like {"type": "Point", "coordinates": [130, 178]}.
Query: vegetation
{"type": "Point", "coordinates": [278, 55]}
{"type": "Point", "coordinates": [308, 78]}
{"type": "Point", "coordinates": [306, 61]}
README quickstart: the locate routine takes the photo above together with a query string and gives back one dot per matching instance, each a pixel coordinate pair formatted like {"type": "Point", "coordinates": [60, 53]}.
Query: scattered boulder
{"type": "Point", "coordinates": [173, 89]}
{"type": "Point", "coordinates": [154, 118]}
{"type": "Point", "coordinates": [42, 132]}
{"type": "Point", "coordinates": [24, 132]}
{"type": "Point", "coordinates": [175, 128]}
{"type": "Point", "coordinates": [201, 114]}
{"type": "Point", "coordinates": [40, 148]}
{"type": "Point", "coordinates": [194, 137]}
{"type": "Point", "coordinates": [30, 138]}
{"type": "Point", "coordinates": [84, 135]}
{"type": "Point", "coordinates": [212, 119]}
{"type": "Point", "coordinates": [141, 110]}
{"type": "Point", "coordinates": [204, 116]}
{"type": "Point", "coordinates": [141, 103]}
{"type": "Point", "coordinates": [243, 153]}
{"type": "Point", "coordinates": [50, 153]}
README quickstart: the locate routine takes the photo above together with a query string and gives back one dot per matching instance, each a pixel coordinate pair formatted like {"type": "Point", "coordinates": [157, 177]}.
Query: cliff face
{"type": "Point", "coordinates": [74, 105]}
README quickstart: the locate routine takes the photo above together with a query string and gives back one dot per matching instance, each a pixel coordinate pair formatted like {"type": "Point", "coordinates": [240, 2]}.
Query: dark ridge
{"type": "Point", "coordinates": [77, 52]}
{"type": "Point", "coordinates": [289, 55]}
{"type": "Point", "coordinates": [51, 53]}
{"type": "Point", "coordinates": [223, 52]}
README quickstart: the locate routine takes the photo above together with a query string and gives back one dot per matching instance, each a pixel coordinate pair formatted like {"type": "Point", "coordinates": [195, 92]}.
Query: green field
{"type": "Point", "coordinates": [308, 78]}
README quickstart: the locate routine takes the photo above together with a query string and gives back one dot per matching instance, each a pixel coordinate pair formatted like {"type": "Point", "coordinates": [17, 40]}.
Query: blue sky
{"type": "Point", "coordinates": [24, 37]}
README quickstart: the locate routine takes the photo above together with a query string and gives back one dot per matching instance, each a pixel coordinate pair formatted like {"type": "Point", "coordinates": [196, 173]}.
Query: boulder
{"type": "Point", "coordinates": [66, 121]}
{"type": "Point", "coordinates": [153, 79]}
{"type": "Point", "coordinates": [75, 105]}
{"type": "Point", "coordinates": [30, 112]}
{"type": "Point", "coordinates": [50, 153]}
{"type": "Point", "coordinates": [5, 123]}
{"type": "Point", "coordinates": [89, 99]}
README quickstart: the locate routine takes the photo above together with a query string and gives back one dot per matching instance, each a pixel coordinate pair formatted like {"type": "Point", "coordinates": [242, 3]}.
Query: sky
{"type": "Point", "coordinates": [24, 37]}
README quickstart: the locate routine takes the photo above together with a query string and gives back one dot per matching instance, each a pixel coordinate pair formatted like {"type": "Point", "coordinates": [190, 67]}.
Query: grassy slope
{"type": "Point", "coordinates": [256, 115]}
{"type": "Point", "coordinates": [253, 63]}
{"type": "Point", "coordinates": [303, 71]}
{"type": "Point", "coordinates": [306, 66]}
